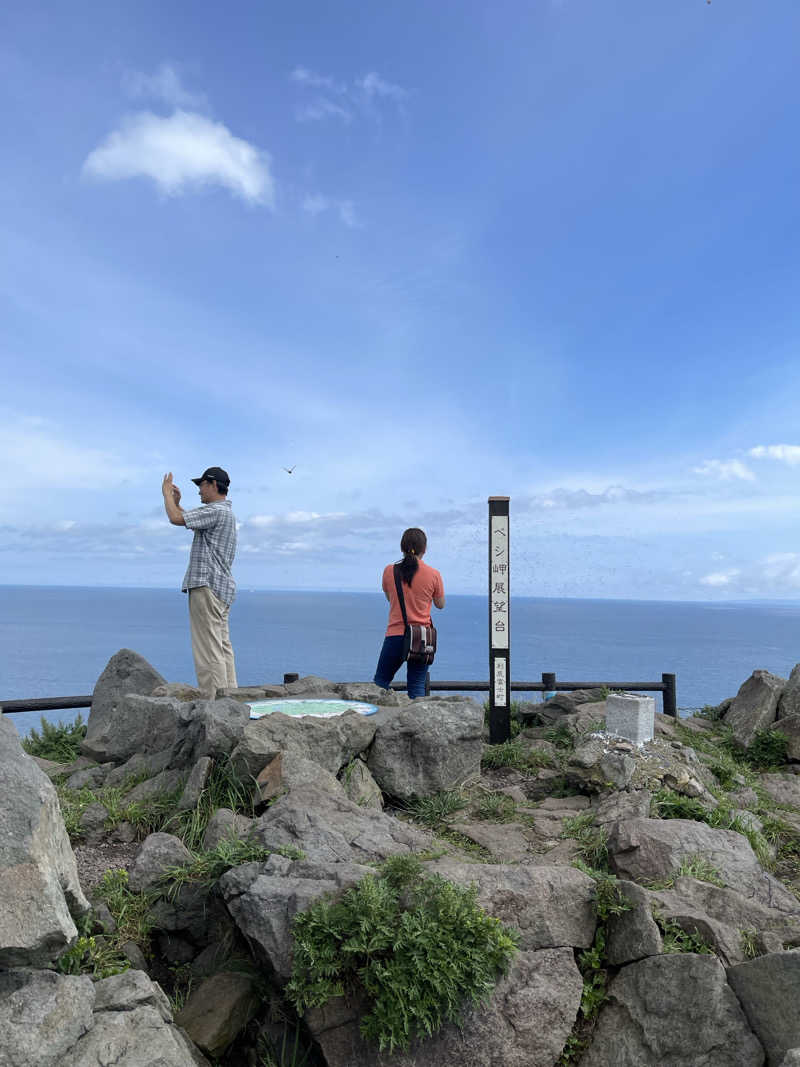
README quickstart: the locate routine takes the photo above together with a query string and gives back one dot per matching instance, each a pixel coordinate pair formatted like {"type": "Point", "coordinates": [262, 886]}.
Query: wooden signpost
{"type": "Point", "coordinates": [499, 621]}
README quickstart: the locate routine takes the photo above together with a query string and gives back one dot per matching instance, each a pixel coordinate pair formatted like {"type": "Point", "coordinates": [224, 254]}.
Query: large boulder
{"type": "Point", "coordinates": [789, 703]}
{"type": "Point", "coordinates": [39, 888]}
{"type": "Point", "coordinates": [720, 915]}
{"type": "Point", "coordinates": [789, 726]}
{"type": "Point", "coordinates": [600, 763]}
{"type": "Point", "coordinates": [783, 788]}
{"type": "Point", "coordinates": [219, 1009]}
{"type": "Point", "coordinates": [264, 898]}
{"type": "Point", "coordinates": [525, 1024]}
{"type": "Point", "coordinates": [428, 746]}
{"type": "Point", "coordinates": [126, 672]}
{"type": "Point", "coordinates": [646, 850]}
{"type": "Point", "coordinates": [550, 906]}
{"type": "Point", "coordinates": [633, 935]}
{"type": "Point", "coordinates": [141, 725]}
{"type": "Point", "coordinates": [208, 728]}
{"type": "Point", "coordinates": [52, 1020]}
{"type": "Point", "coordinates": [328, 827]}
{"type": "Point", "coordinates": [755, 706]}
{"type": "Point", "coordinates": [769, 991]}
{"type": "Point", "coordinates": [158, 852]}
{"type": "Point", "coordinates": [330, 742]}
{"type": "Point", "coordinates": [676, 1010]}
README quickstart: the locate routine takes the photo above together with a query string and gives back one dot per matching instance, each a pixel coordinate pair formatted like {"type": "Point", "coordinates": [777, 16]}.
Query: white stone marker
{"type": "Point", "coordinates": [631, 717]}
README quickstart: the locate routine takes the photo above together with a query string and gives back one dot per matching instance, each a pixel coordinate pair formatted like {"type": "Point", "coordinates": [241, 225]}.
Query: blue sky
{"type": "Point", "coordinates": [424, 252]}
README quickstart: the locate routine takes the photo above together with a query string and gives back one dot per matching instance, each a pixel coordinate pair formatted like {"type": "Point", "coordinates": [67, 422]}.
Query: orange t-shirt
{"type": "Point", "coordinates": [425, 585]}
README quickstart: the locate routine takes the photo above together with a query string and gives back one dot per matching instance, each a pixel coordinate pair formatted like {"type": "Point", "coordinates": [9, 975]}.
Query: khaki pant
{"type": "Point", "coordinates": [211, 642]}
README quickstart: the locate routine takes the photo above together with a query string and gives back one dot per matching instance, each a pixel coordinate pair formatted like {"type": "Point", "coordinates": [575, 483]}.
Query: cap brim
{"type": "Point", "coordinates": [197, 481]}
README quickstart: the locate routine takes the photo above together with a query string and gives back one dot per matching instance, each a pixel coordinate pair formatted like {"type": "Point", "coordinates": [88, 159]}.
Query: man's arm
{"type": "Point", "coordinates": [172, 496]}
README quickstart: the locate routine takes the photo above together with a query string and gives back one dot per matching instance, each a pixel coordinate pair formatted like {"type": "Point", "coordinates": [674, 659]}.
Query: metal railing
{"type": "Point", "coordinates": [548, 684]}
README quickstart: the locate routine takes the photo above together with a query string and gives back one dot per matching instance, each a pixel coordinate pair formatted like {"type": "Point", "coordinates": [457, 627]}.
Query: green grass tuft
{"type": "Point", "coordinates": [59, 742]}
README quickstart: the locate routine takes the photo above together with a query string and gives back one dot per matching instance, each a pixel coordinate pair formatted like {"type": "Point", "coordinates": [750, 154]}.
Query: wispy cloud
{"type": "Point", "coordinates": [322, 108]}
{"type": "Point", "coordinates": [317, 204]}
{"type": "Point", "coordinates": [40, 454]}
{"type": "Point", "coordinates": [185, 150]}
{"type": "Point", "coordinates": [304, 76]}
{"type": "Point", "coordinates": [373, 85]}
{"type": "Point", "coordinates": [578, 499]}
{"type": "Point", "coordinates": [726, 470]}
{"type": "Point", "coordinates": [789, 454]}
{"type": "Point", "coordinates": [340, 100]}
{"type": "Point", "coordinates": [165, 85]}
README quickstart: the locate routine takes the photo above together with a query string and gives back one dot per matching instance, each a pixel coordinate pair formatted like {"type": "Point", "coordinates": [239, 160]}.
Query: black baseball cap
{"type": "Point", "coordinates": [213, 474]}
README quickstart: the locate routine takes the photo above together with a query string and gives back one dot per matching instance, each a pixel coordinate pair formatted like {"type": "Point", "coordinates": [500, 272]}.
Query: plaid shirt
{"type": "Point", "coordinates": [213, 549]}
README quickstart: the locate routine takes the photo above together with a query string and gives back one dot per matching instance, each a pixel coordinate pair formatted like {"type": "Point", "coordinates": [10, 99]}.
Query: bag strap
{"type": "Point", "coordinates": [399, 587]}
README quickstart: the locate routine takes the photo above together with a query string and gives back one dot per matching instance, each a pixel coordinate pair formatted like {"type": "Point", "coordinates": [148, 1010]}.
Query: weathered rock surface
{"type": "Point", "coordinates": [720, 915]}
{"type": "Point", "coordinates": [789, 702]}
{"type": "Point", "coordinates": [526, 1023]}
{"type": "Point", "coordinates": [42, 1015]}
{"type": "Point", "coordinates": [755, 706]}
{"type": "Point", "coordinates": [790, 727]}
{"type": "Point", "coordinates": [676, 1010]}
{"type": "Point", "coordinates": [39, 888]}
{"type": "Point", "coordinates": [142, 725]}
{"type": "Point", "coordinates": [195, 784]}
{"type": "Point", "coordinates": [769, 991]}
{"type": "Point", "coordinates": [599, 763]}
{"type": "Point", "coordinates": [550, 906]}
{"type": "Point", "coordinates": [225, 824]}
{"type": "Point", "coordinates": [330, 742]}
{"type": "Point", "coordinates": [219, 1009]}
{"type": "Point", "coordinates": [633, 935]}
{"type": "Point", "coordinates": [360, 786]}
{"type": "Point", "coordinates": [52, 1020]}
{"type": "Point", "coordinates": [157, 853]}
{"type": "Point", "coordinates": [264, 898]}
{"type": "Point", "coordinates": [427, 747]}
{"type": "Point", "coordinates": [328, 828]}
{"type": "Point", "coordinates": [208, 728]}
{"type": "Point", "coordinates": [288, 771]}
{"type": "Point", "coordinates": [783, 788]}
{"type": "Point", "coordinates": [126, 672]}
{"type": "Point", "coordinates": [652, 849]}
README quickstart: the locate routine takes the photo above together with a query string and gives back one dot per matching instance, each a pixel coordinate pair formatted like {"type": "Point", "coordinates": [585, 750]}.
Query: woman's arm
{"type": "Point", "coordinates": [439, 602]}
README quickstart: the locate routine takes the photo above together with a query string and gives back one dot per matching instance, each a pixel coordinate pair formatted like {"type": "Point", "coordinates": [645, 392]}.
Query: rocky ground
{"type": "Point", "coordinates": [653, 892]}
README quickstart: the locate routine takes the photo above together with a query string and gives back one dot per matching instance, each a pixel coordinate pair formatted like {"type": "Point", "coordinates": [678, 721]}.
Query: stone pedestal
{"type": "Point", "coordinates": [631, 717]}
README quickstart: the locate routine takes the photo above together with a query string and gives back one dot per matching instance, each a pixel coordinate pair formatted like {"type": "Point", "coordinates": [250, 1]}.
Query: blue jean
{"type": "Point", "coordinates": [389, 662]}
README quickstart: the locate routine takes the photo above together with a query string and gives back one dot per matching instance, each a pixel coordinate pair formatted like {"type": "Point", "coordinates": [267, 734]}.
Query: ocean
{"type": "Point", "coordinates": [55, 641]}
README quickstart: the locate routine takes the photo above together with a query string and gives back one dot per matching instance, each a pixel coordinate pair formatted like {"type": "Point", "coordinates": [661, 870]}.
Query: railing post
{"type": "Point", "coordinates": [670, 695]}
{"type": "Point", "coordinates": [288, 678]}
{"type": "Point", "coordinates": [427, 683]}
{"type": "Point", "coordinates": [549, 683]}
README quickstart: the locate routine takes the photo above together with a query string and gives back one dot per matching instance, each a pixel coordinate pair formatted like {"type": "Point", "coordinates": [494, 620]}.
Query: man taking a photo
{"type": "Point", "coordinates": [208, 579]}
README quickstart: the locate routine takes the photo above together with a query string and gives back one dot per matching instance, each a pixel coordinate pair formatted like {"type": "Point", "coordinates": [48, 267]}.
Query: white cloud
{"type": "Point", "coordinates": [784, 453]}
{"type": "Point", "coordinates": [317, 204]}
{"type": "Point", "coordinates": [719, 578]}
{"type": "Point", "coordinates": [322, 108]}
{"type": "Point", "coordinates": [38, 454]}
{"type": "Point", "coordinates": [184, 150]}
{"type": "Point", "coordinates": [164, 84]}
{"type": "Point", "coordinates": [569, 499]}
{"type": "Point", "coordinates": [304, 76]}
{"type": "Point", "coordinates": [372, 85]}
{"type": "Point", "coordinates": [726, 470]}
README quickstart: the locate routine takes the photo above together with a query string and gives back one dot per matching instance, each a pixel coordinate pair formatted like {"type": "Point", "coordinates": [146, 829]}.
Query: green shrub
{"type": "Point", "coordinates": [93, 956]}
{"type": "Point", "coordinates": [419, 947]}
{"type": "Point", "coordinates": [60, 743]}
{"type": "Point", "coordinates": [131, 911]}
{"type": "Point", "coordinates": [768, 750]}
{"type": "Point", "coordinates": [496, 807]}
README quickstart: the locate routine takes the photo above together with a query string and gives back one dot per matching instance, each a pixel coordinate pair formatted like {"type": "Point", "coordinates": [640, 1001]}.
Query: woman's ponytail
{"type": "Point", "coordinates": [412, 544]}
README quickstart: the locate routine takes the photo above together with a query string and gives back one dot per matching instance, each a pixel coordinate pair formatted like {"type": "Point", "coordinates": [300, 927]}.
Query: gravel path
{"type": "Point", "coordinates": [94, 860]}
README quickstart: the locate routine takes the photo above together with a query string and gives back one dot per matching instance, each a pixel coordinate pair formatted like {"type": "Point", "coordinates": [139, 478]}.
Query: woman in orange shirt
{"type": "Point", "coordinates": [422, 586]}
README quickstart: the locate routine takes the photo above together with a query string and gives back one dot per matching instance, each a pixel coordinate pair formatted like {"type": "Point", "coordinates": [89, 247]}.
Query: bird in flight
{"type": "Point", "coordinates": [290, 470]}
